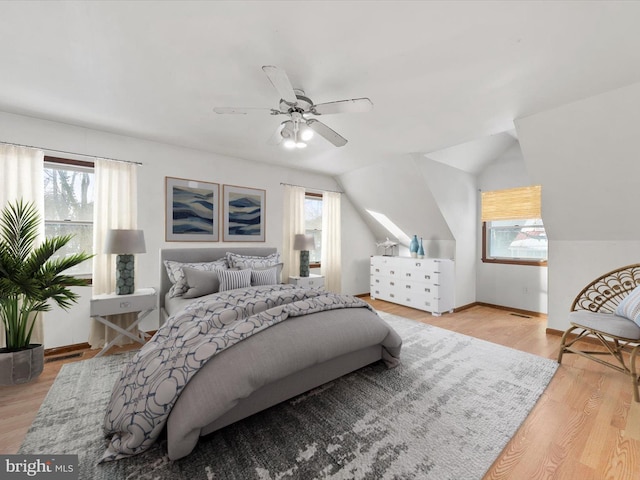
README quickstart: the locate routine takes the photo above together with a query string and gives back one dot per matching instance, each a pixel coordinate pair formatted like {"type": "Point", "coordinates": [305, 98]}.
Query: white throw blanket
{"type": "Point", "coordinates": [153, 380]}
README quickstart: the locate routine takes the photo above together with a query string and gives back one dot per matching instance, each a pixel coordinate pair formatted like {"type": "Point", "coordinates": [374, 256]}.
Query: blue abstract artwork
{"type": "Point", "coordinates": [192, 211]}
{"type": "Point", "coordinates": [244, 214]}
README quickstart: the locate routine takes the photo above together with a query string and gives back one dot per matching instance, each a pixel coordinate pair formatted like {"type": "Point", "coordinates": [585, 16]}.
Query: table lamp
{"type": "Point", "coordinates": [125, 243]}
{"type": "Point", "coordinates": [304, 243]}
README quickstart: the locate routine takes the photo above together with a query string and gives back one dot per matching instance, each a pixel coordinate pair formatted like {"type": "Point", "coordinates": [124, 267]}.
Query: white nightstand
{"type": "Point", "coordinates": [312, 281]}
{"type": "Point", "coordinates": [144, 301]}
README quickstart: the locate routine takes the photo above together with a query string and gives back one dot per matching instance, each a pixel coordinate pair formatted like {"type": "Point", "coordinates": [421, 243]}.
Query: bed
{"type": "Point", "coordinates": [289, 358]}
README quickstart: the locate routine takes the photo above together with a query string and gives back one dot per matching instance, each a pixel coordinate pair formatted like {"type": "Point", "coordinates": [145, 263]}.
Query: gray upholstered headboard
{"type": "Point", "coordinates": [186, 255]}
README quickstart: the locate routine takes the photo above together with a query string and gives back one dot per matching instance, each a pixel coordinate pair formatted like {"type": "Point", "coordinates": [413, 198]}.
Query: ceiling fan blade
{"type": "Point", "coordinates": [324, 131]}
{"type": "Point", "coordinates": [280, 81]}
{"type": "Point", "coordinates": [241, 110]}
{"type": "Point", "coordinates": [355, 105]}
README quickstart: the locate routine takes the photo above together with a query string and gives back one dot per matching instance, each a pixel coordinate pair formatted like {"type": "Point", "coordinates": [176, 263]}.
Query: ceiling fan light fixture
{"type": "Point", "coordinates": [289, 143]}
{"type": "Point", "coordinates": [301, 145]}
{"type": "Point", "coordinates": [306, 134]}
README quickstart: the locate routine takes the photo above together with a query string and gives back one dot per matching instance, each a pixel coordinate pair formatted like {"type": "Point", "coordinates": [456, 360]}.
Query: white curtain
{"type": "Point", "coordinates": [22, 177]}
{"type": "Point", "coordinates": [115, 207]}
{"type": "Point", "coordinates": [331, 252]}
{"type": "Point", "coordinates": [293, 224]}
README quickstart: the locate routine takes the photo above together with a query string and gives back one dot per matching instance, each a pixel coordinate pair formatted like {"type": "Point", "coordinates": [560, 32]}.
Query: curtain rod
{"type": "Point", "coordinates": [312, 188]}
{"type": "Point", "coordinates": [53, 150]}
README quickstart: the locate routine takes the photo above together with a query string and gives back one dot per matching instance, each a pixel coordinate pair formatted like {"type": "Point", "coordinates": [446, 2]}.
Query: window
{"type": "Point", "coordinates": [313, 225]}
{"type": "Point", "coordinates": [68, 209]}
{"type": "Point", "coordinates": [512, 228]}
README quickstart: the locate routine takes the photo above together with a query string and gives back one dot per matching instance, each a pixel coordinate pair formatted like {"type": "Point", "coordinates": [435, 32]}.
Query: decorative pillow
{"type": "Point", "coordinates": [629, 307]}
{"type": "Point", "coordinates": [176, 274]}
{"type": "Point", "coordinates": [236, 260]}
{"type": "Point", "coordinates": [232, 279]}
{"type": "Point", "coordinates": [200, 282]}
{"type": "Point", "coordinates": [266, 276]}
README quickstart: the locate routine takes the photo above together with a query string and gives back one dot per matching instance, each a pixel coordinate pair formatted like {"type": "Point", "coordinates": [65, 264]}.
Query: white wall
{"type": "Point", "coordinates": [161, 160]}
{"type": "Point", "coordinates": [523, 287]}
{"type": "Point", "coordinates": [586, 157]}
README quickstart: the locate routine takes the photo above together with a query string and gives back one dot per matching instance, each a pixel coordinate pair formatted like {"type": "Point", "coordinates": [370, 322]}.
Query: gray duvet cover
{"type": "Point", "coordinates": [223, 353]}
{"type": "Point", "coordinates": [295, 345]}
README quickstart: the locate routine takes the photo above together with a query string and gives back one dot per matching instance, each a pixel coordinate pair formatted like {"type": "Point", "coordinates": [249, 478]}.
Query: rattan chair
{"type": "Point", "coordinates": [593, 316]}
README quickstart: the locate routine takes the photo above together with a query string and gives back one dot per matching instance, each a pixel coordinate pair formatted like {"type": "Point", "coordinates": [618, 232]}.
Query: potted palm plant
{"type": "Point", "coordinates": [30, 278]}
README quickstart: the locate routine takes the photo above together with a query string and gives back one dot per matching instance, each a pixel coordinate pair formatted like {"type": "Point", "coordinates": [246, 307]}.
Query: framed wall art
{"type": "Point", "coordinates": [243, 215]}
{"type": "Point", "coordinates": [192, 210]}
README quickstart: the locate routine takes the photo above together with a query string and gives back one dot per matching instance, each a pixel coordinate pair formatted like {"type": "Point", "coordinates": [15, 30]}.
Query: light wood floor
{"type": "Point", "coordinates": [585, 426]}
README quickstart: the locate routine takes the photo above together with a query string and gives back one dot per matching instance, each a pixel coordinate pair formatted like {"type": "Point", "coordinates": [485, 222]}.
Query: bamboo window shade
{"type": "Point", "coordinates": [512, 204]}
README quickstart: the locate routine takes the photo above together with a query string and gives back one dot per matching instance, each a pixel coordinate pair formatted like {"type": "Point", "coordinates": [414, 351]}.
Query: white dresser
{"type": "Point", "coordinates": [425, 284]}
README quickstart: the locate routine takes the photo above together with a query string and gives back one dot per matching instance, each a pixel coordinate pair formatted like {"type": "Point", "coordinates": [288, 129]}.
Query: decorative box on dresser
{"type": "Point", "coordinates": [422, 283]}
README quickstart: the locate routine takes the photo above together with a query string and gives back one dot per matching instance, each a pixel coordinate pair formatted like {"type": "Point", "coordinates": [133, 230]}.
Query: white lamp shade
{"type": "Point", "coordinates": [125, 242]}
{"type": "Point", "coordinates": [304, 242]}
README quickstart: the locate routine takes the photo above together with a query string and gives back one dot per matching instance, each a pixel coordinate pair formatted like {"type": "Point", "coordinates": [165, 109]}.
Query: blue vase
{"type": "Point", "coordinates": [421, 249]}
{"type": "Point", "coordinates": [413, 246]}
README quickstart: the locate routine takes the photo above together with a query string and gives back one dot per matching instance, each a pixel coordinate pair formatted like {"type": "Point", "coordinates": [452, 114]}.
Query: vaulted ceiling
{"type": "Point", "coordinates": [440, 74]}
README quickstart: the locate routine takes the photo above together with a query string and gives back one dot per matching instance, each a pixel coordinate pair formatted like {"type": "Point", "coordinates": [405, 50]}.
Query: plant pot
{"type": "Point", "coordinates": [21, 366]}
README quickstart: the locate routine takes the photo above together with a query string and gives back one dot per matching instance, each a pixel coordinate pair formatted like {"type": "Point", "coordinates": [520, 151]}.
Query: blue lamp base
{"type": "Point", "coordinates": [304, 263]}
{"type": "Point", "coordinates": [124, 274]}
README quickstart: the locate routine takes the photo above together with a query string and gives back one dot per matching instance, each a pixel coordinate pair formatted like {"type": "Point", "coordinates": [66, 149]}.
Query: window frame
{"type": "Point", "coordinates": [520, 203]}
{"type": "Point", "coordinates": [73, 163]}
{"type": "Point", "coordinates": [314, 195]}
{"type": "Point", "coordinates": [506, 261]}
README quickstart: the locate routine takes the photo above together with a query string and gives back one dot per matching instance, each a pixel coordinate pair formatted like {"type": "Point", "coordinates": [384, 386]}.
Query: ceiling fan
{"type": "Point", "coordinates": [299, 127]}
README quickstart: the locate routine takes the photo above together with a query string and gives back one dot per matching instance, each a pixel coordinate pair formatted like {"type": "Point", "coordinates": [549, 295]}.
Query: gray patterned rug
{"type": "Point", "coordinates": [446, 413]}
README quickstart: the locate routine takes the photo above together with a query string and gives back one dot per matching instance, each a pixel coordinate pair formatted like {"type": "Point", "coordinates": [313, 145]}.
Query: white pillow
{"type": "Point", "coordinates": [629, 307]}
{"type": "Point", "coordinates": [200, 282]}
{"type": "Point", "coordinates": [236, 260]}
{"type": "Point", "coordinates": [232, 279]}
{"type": "Point", "coordinates": [176, 274]}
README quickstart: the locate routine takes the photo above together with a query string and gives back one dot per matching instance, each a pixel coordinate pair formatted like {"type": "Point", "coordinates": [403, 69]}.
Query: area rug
{"type": "Point", "coordinates": [446, 413]}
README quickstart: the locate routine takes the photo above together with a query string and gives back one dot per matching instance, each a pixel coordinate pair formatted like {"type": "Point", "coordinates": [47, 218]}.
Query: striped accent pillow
{"type": "Point", "coordinates": [629, 307]}
{"type": "Point", "coordinates": [265, 276]}
{"type": "Point", "coordinates": [232, 279]}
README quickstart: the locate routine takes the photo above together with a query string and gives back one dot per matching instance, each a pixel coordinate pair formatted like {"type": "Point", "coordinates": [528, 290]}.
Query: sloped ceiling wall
{"type": "Point", "coordinates": [397, 189]}
{"type": "Point", "coordinates": [586, 156]}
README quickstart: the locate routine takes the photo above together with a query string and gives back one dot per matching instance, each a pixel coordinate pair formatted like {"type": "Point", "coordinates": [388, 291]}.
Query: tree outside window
{"type": "Point", "coordinates": [313, 225]}
{"type": "Point", "coordinates": [69, 195]}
